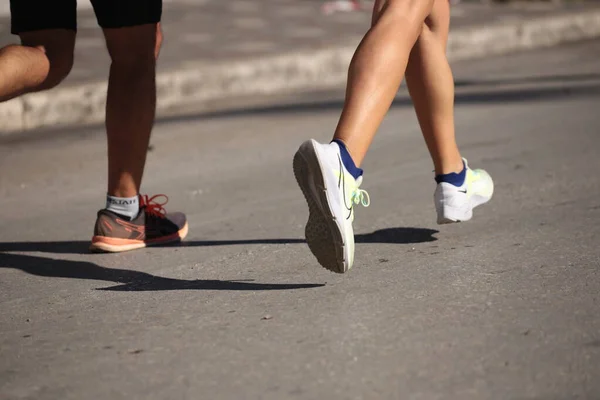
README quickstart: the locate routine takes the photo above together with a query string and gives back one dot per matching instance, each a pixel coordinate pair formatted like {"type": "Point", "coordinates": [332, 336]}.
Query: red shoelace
{"type": "Point", "coordinates": [153, 206]}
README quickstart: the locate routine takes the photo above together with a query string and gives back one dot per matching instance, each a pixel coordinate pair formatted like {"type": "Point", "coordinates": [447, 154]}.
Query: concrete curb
{"type": "Point", "coordinates": [203, 84]}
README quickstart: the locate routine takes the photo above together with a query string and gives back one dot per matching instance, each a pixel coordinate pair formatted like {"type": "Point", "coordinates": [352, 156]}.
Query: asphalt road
{"type": "Point", "coordinates": [503, 307]}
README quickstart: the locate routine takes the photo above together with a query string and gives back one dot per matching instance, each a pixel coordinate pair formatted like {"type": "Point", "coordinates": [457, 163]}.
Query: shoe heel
{"type": "Point", "coordinates": [451, 215]}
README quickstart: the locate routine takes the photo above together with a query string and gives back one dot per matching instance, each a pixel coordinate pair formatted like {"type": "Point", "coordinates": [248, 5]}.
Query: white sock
{"type": "Point", "coordinates": [125, 206]}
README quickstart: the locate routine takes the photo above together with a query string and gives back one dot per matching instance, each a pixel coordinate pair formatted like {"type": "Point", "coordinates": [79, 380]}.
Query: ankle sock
{"type": "Point", "coordinates": [453, 178]}
{"type": "Point", "coordinates": [126, 206]}
{"type": "Point", "coordinates": [347, 160]}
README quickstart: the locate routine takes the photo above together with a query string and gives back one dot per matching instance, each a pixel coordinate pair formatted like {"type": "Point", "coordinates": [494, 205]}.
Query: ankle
{"type": "Point", "coordinates": [455, 166]}
{"type": "Point", "coordinates": [124, 206]}
{"type": "Point", "coordinates": [122, 185]}
{"type": "Point", "coordinates": [456, 177]}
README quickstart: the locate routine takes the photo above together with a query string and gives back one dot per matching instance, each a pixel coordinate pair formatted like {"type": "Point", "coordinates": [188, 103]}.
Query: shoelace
{"type": "Point", "coordinates": [154, 207]}
{"type": "Point", "coordinates": [360, 196]}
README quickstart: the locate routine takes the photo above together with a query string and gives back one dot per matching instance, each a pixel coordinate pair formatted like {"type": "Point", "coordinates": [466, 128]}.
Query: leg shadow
{"type": "Point", "coordinates": [128, 280]}
{"type": "Point", "coordinates": [398, 236]}
{"type": "Point", "coordinates": [388, 235]}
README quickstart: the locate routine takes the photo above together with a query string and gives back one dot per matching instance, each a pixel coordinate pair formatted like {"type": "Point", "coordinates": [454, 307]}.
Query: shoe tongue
{"type": "Point", "coordinates": [359, 181]}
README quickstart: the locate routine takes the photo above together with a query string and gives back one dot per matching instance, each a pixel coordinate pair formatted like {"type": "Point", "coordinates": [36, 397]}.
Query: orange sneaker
{"type": "Point", "coordinates": [153, 226]}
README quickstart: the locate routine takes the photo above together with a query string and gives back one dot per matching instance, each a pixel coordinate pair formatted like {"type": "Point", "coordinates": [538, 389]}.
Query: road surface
{"type": "Point", "coordinates": [503, 307]}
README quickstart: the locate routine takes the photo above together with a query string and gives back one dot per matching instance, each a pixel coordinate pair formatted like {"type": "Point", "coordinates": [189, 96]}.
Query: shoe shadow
{"type": "Point", "coordinates": [398, 236]}
{"type": "Point", "coordinates": [388, 235]}
{"type": "Point", "coordinates": [130, 280]}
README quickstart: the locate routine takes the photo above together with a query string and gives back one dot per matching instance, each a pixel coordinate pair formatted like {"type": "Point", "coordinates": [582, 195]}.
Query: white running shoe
{"type": "Point", "coordinates": [331, 193]}
{"type": "Point", "coordinates": [456, 204]}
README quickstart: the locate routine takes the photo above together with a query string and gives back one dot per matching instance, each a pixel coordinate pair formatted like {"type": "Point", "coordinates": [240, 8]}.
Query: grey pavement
{"type": "Point", "coordinates": [218, 52]}
{"type": "Point", "coordinates": [502, 307]}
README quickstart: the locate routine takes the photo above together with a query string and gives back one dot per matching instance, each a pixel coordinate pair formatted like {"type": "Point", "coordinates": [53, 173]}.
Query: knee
{"type": "Point", "coordinates": [134, 48]}
{"type": "Point", "coordinates": [46, 67]}
{"type": "Point", "coordinates": [407, 15]}
{"type": "Point", "coordinates": [60, 65]}
{"type": "Point", "coordinates": [54, 49]}
{"type": "Point", "coordinates": [439, 17]}
{"type": "Point", "coordinates": [416, 10]}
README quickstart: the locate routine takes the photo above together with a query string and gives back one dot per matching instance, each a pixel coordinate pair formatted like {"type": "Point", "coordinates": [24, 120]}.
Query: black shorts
{"type": "Point", "coordinates": [34, 15]}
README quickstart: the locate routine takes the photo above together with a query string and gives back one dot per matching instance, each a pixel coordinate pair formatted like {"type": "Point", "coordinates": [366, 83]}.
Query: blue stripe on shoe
{"type": "Point", "coordinates": [347, 160]}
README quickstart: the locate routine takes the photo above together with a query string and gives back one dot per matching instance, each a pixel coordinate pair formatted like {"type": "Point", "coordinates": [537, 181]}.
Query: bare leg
{"type": "Point", "coordinates": [431, 87]}
{"type": "Point", "coordinates": [377, 69]}
{"type": "Point", "coordinates": [131, 104]}
{"type": "Point", "coordinates": [42, 62]}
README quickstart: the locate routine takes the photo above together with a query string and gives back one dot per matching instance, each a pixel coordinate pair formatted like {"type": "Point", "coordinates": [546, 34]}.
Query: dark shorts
{"type": "Point", "coordinates": [35, 15]}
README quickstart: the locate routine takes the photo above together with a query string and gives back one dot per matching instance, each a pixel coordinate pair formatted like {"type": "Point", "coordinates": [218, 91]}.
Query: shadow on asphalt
{"type": "Point", "coordinates": [136, 281]}
{"type": "Point", "coordinates": [388, 235]}
{"type": "Point", "coordinates": [129, 280]}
